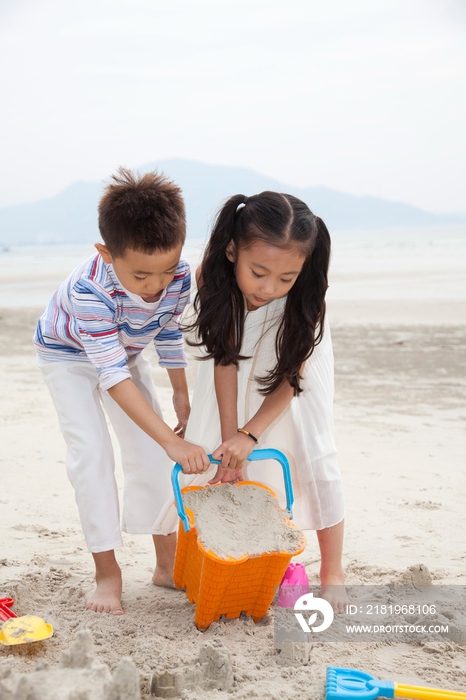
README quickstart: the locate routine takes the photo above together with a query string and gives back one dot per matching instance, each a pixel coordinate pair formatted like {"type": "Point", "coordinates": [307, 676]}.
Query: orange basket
{"type": "Point", "coordinates": [233, 585]}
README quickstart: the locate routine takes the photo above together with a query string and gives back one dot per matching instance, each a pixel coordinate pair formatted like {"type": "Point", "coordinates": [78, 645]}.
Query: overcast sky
{"type": "Point", "coordinates": [365, 96]}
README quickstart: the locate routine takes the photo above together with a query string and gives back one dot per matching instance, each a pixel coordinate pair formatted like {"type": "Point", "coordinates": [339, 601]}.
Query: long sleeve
{"type": "Point", "coordinates": [95, 325]}
{"type": "Point", "coordinates": [169, 341]}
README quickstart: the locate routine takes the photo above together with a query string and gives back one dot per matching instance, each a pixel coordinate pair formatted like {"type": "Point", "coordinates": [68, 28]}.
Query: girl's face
{"type": "Point", "coordinates": [265, 272]}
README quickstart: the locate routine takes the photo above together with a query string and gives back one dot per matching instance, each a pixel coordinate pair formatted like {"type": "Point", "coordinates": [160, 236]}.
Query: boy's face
{"type": "Point", "coordinates": [145, 274]}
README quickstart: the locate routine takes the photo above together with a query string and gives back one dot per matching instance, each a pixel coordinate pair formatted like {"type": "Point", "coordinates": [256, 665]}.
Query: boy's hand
{"type": "Point", "coordinates": [193, 458]}
{"type": "Point", "coordinates": [232, 453]}
{"type": "Point", "coordinates": [182, 410]}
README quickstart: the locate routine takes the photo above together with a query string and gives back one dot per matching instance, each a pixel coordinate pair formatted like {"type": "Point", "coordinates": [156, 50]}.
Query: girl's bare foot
{"type": "Point", "coordinates": [163, 577]}
{"type": "Point", "coordinates": [165, 547]}
{"type": "Point", "coordinates": [107, 595]}
{"type": "Point", "coordinates": [334, 591]}
{"type": "Point", "coordinates": [332, 576]}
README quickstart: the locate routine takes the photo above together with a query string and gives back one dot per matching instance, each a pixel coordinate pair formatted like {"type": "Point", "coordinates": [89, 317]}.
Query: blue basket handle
{"type": "Point", "coordinates": [255, 455]}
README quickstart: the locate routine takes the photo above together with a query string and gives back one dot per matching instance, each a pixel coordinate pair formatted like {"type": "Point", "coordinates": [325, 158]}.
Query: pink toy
{"type": "Point", "coordinates": [294, 584]}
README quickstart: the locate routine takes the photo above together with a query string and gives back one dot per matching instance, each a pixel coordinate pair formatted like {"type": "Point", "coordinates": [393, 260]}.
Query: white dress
{"type": "Point", "coordinates": [303, 431]}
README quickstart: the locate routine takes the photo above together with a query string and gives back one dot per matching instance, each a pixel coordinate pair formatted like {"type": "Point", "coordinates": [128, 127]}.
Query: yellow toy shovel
{"type": "Point", "coordinates": [21, 630]}
{"type": "Point", "coordinates": [350, 684]}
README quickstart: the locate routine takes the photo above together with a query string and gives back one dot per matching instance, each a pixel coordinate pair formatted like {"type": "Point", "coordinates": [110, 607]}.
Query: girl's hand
{"type": "Point", "coordinates": [232, 453]}
{"type": "Point", "coordinates": [227, 476]}
{"type": "Point", "coordinates": [182, 410]}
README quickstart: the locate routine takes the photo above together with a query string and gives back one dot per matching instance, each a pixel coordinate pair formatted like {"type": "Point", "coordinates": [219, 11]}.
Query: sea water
{"type": "Point", "coordinates": [413, 264]}
{"type": "Point", "coordinates": [426, 262]}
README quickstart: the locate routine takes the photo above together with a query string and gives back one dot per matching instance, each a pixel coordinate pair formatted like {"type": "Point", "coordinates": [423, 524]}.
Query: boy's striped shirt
{"type": "Point", "coordinates": [91, 317]}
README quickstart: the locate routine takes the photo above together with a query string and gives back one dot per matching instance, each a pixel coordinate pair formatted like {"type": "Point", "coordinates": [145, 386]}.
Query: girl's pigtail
{"type": "Point", "coordinates": [317, 278]}
{"type": "Point", "coordinates": [302, 325]}
{"type": "Point", "coordinates": [219, 303]}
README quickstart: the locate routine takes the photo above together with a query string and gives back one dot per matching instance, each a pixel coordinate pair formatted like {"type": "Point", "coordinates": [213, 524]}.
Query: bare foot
{"type": "Point", "coordinates": [334, 591]}
{"type": "Point", "coordinates": [163, 577]}
{"type": "Point", "coordinates": [107, 595]}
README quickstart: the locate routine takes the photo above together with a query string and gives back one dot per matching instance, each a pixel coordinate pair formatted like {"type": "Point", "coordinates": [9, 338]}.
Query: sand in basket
{"type": "Point", "coordinates": [236, 552]}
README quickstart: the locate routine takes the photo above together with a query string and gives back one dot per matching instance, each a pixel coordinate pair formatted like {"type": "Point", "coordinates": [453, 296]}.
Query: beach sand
{"type": "Point", "coordinates": [399, 414]}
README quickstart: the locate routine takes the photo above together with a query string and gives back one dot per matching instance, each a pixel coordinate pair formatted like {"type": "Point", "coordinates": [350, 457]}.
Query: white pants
{"type": "Point", "coordinates": [90, 461]}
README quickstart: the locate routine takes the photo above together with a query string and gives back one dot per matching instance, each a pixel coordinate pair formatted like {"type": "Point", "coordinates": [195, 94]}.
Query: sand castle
{"type": "Point", "coordinates": [78, 677]}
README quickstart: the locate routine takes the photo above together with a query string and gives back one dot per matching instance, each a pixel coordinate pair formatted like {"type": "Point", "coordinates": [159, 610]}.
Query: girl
{"type": "Point", "coordinates": [267, 375]}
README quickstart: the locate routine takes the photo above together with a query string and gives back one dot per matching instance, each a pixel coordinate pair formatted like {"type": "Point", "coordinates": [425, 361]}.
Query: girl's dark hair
{"type": "Point", "coordinates": [283, 221]}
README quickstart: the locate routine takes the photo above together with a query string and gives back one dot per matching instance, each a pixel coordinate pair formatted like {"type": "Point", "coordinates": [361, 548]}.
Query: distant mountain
{"type": "Point", "coordinates": [71, 216]}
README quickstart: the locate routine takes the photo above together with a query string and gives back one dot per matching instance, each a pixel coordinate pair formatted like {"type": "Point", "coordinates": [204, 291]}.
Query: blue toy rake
{"type": "Point", "coordinates": [351, 684]}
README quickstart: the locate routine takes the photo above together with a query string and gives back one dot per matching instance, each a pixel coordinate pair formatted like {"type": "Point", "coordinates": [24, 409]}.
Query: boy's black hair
{"type": "Point", "coordinates": [280, 220]}
{"type": "Point", "coordinates": [141, 212]}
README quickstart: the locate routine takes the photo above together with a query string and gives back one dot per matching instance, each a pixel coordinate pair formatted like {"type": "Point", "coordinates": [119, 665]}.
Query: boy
{"type": "Point", "coordinates": [89, 342]}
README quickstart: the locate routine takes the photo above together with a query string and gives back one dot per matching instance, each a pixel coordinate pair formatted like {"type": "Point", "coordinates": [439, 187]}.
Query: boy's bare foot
{"type": "Point", "coordinates": [334, 591]}
{"type": "Point", "coordinates": [107, 595]}
{"type": "Point", "coordinates": [165, 547]}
